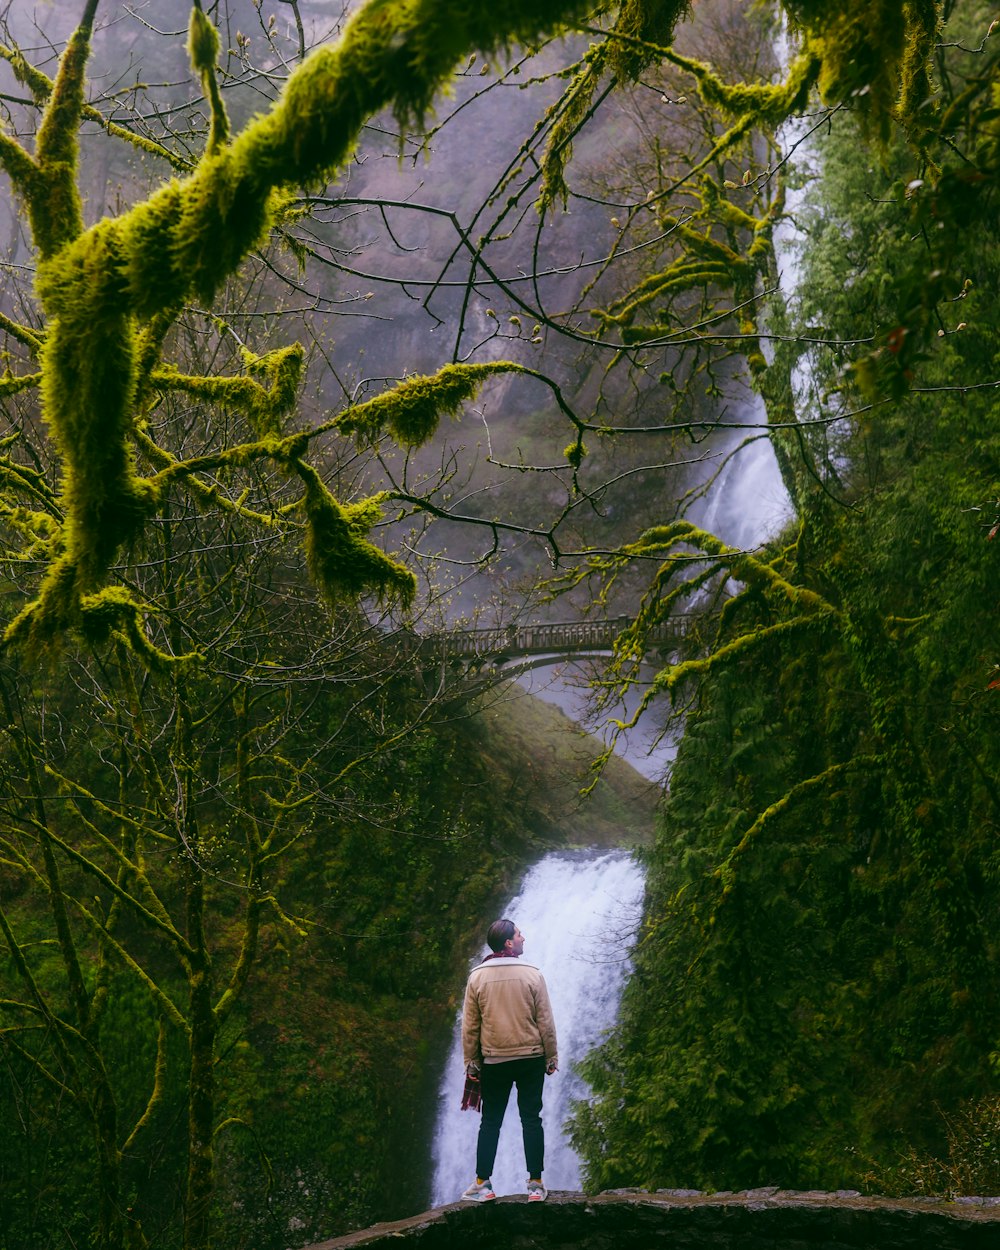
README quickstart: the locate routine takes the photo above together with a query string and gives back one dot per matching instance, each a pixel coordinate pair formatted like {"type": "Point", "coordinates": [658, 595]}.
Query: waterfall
{"type": "Point", "coordinates": [579, 912]}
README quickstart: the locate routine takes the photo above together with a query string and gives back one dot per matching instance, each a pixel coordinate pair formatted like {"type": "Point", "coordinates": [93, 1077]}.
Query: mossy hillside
{"type": "Point", "coordinates": [544, 761]}
{"type": "Point", "coordinates": [815, 984]}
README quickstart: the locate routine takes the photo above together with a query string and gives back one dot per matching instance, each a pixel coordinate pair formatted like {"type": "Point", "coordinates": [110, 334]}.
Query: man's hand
{"type": "Point", "coordinates": [551, 1067]}
{"type": "Point", "coordinates": [472, 1069]}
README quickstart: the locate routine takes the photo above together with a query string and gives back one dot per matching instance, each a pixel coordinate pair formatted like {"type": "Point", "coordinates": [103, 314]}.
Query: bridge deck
{"type": "Point", "coordinates": [558, 637]}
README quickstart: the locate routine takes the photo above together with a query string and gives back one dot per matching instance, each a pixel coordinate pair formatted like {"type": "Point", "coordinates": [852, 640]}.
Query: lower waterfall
{"type": "Point", "coordinates": [579, 912]}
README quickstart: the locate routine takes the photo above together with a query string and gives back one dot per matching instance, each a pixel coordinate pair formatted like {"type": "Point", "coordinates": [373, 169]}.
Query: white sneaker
{"type": "Point", "coordinates": [479, 1191]}
{"type": "Point", "coordinates": [537, 1191]}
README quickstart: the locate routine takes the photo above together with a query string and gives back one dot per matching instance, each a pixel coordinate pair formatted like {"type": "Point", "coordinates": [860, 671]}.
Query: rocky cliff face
{"type": "Point", "coordinates": [762, 1219]}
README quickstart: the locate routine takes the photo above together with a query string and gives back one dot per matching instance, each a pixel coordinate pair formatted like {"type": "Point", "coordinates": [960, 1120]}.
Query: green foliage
{"type": "Point", "coordinates": [815, 985]}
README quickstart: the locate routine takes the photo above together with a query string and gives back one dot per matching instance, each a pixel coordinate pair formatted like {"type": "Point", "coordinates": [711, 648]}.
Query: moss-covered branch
{"type": "Point", "coordinates": [411, 410]}
{"type": "Point", "coordinates": [54, 205]}
{"type": "Point", "coordinates": [739, 649]}
{"type": "Point", "coordinates": [155, 917]}
{"type": "Point", "coordinates": [726, 872]}
{"type": "Point", "coordinates": [159, 1087]}
{"type": "Point", "coordinates": [741, 564]}
{"type": "Point", "coordinates": [102, 288]}
{"type": "Point", "coordinates": [264, 406]}
{"type": "Point", "coordinates": [41, 86]}
{"type": "Point", "coordinates": [132, 966]}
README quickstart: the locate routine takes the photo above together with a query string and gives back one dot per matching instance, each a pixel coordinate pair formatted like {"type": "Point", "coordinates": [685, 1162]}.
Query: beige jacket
{"type": "Point", "coordinates": [507, 1013]}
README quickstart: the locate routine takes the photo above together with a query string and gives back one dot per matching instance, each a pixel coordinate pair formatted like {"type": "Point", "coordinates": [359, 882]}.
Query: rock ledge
{"type": "Point", "coordinates": [685, 1219]}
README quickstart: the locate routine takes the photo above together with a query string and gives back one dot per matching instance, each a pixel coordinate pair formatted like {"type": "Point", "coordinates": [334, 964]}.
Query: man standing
{"type": "Point", "coordinates": [508, 1039]}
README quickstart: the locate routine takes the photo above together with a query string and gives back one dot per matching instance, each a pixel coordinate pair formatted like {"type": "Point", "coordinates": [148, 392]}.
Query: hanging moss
{"type": "Point", "coordinates": [103, 289]}
{"type": "Point", "coordinates": [874, 53]}
{"type": "Point", "coordinates": [341, 560]}
{"type": "Point", "coordinates": [411, 411]}
{"type": "Point", "coordinates": [568, 115]}
{"type": "Point", "coordinates": [114, 611]}
{"type": "Point", "coordinates": [922, 34]}
{"type": "Point", "coordinates": [644, 22]}
{"type": "Point", "coordinates": [264, 406]}
{"type": "Point", "coordinates": [682, 275]}
{"type": "Point", "coordinates": [747, 568]}
{"type": "Point", "coordinates": [57, 608]}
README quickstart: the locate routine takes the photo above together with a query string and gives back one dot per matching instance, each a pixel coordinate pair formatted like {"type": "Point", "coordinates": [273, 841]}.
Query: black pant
{"type": "Point", "coordinates": [496, 1082]}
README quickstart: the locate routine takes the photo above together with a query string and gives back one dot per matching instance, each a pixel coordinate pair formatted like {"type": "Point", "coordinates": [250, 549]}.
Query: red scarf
{"type": "Point", "coordinates": [472, 1095]}
{"type": "Point", "coordinates": [500, 955]}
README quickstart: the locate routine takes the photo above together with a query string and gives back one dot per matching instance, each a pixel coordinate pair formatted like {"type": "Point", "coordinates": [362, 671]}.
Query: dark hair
{"type": "Point", "coordinates": [499, 932]}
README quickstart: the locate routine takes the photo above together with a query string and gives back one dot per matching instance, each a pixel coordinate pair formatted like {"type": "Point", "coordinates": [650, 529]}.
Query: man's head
{"type": "Point", "coordinates": [504, 936]}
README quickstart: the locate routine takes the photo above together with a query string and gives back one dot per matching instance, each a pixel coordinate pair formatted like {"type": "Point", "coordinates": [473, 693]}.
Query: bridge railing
{"type": "Point", "coordinates": [559, 637]}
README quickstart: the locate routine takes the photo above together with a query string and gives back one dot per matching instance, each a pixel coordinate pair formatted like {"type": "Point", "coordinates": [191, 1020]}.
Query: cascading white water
{"type": "Point", "coordinates": [579, 912]}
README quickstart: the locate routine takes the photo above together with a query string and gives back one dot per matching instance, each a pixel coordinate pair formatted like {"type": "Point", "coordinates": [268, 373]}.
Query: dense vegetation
{"type": "Point", "coordinates": [815, 996]}
{"type": "Point", "coordinates": [248, 831]}
{"type": "Point", "coordinates": [329, 1061]}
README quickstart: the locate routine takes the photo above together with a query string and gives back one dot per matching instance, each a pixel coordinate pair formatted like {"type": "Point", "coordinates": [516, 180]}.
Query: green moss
{"type": "Point", "coordinates": [684, 274]}
{"type": "Point", "coordinates": [264, 406]}
{"type": "Point", "coordinates": [768, 104]}
{"type": "Point", "coordinates": [112, 611]}
{"type": "Point", "coordinates": [11, 385]}
{"type": "Point", "coordinates": [88, 393]}
{"type": "Point", "coordinates": [875, 53]}
{"type": "Point", "coordinates": [203, 42]}
{"type": "Point", "coordinates": [40, 625]}
{"type": "Point", "coordinates": [411, 411]}
{"type": "Point", "coordinates": [342, 561]}
{"type": "Point", "coordinates": [915, 82]}
{"type": "Point", "coordinates": [54, 205]}
{"type": "Point", "coordinates": [645, 22]}
{"type": "Point", "coordinates": [575, 453]}
{"type": "Point", "coordinates": [567, 115]}
{"type": "Point", "coordinates": [203, 49]}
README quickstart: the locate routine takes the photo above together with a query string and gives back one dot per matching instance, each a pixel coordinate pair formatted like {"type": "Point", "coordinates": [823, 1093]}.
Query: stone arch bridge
{"type": "Point", "coordinates": [499, 653]}
{"type": "Point", "coordinates": [534, 645]}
